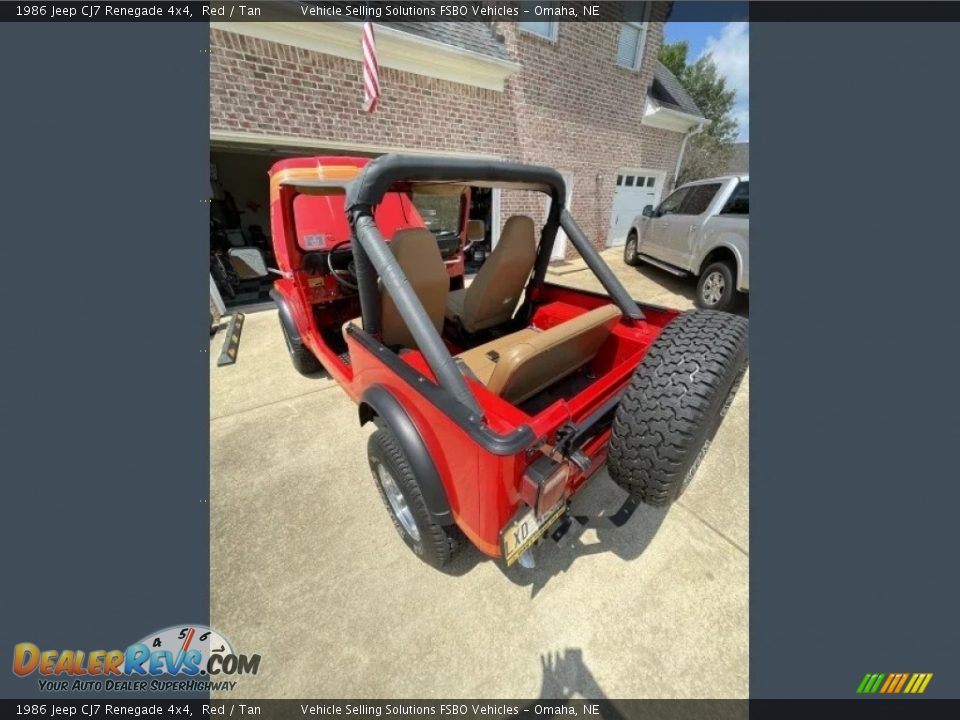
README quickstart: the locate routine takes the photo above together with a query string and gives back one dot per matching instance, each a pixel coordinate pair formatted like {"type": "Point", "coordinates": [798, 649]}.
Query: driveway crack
{"type": "Point", "coordinates": [272, 402]}
{"type": "Point", "coordinates": [719, 532]}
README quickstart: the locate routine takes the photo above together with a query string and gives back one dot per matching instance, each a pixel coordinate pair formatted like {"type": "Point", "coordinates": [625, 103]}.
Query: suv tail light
{"type": "Point", "coordinates": [543, 484]}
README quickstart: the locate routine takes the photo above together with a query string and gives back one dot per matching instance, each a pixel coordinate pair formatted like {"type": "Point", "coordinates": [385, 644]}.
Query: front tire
{"type": "Point", "coordinates": [630, 249]}
{"type": "Point", "coordinates": [433, 543]}
{"type": "Point", "coordinates": [716, 289]}
{"type": "Point", "coordinates": [674, 404]}
{"type": "Point", "coordinates": [304, 361]}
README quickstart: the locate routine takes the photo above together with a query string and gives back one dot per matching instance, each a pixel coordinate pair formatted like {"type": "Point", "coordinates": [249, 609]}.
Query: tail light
{"type": "Point", "coordinates": [543, 484]}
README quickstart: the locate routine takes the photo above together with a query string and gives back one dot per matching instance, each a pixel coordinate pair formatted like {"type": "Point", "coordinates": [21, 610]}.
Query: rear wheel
{"type": "Point", "coordinates": [433, 543]}
{"type": "Point", "coordinates": [630, 249]}
{"type": "Point", "coordinates": [674, 404]}
{"type": "Point", "coordinates": [716, 289]}
{"type": "Point", "coordinates": [304, 361]}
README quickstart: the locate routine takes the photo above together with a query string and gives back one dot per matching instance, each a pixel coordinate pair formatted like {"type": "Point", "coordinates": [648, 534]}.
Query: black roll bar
{"type": "Point", "coordinates": [409, 306]}
{"type": "Point", "coordinates": [380, 174]}
{"type": "Point", "coordinates": [367, 290]}
{"type": "Point", "coordinates": [611, 283]}
{"type": "Point", "coordinates": [373, 257]}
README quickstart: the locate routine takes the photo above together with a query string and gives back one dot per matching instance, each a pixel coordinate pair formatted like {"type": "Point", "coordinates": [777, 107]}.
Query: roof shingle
{"type": "Point", "coordinates": [668, 91]}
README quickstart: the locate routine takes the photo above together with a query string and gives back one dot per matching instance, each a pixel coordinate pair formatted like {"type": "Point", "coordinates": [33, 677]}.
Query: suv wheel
{"type": "Point", "coordinates": [630, 250]}
{"type": "Point", "coordinates": [716, 289]}
{"type": "Point", "coordinates": [433, 543]}
{"type": "Point", "coordinates": [674, 403]}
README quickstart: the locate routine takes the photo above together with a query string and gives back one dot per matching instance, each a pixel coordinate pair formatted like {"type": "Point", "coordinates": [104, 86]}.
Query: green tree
{"type": "Point", "coordinates": [709, 152]}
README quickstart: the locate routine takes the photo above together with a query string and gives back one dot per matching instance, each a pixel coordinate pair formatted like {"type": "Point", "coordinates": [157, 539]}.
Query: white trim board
{"type": "Point", "coordinates": [395, 49]}
{"type": "Point", "coordinates": [293, 142]}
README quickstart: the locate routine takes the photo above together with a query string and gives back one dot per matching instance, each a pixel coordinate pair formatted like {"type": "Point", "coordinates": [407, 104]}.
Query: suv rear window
{"type": "Point", "coordinates": [699, 199]}
{"type": "Point", "coordinates": [739, 202]}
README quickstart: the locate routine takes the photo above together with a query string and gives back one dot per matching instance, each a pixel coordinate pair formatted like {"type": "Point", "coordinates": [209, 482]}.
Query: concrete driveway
{"type": "Point", "coordinates": [307, 570]}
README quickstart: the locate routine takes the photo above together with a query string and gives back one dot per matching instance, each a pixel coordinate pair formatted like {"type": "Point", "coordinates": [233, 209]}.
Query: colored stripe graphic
{"type": "Point", "coordinates": [894, 683]}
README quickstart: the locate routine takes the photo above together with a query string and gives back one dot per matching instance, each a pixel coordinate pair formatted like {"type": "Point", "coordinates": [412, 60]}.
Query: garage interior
{"type": "Point", "coordinates": [240, 218]}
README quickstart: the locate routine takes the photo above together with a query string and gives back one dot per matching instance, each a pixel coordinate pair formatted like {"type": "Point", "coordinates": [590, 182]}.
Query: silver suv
{"type": "Point", "coordinates": [700, 229]}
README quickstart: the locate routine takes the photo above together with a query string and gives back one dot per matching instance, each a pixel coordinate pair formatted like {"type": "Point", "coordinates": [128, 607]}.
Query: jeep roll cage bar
{"type": "Point", "coordinates": [373, 259]}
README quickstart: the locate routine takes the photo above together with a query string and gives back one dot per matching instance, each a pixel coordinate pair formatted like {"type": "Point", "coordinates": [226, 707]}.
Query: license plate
{"type": "Point", "coordinates": [520, 535]}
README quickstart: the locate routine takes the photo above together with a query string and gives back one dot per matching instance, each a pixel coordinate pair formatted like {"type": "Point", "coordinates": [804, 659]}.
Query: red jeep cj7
{"type": "Point", "coordinates": [496, 402]}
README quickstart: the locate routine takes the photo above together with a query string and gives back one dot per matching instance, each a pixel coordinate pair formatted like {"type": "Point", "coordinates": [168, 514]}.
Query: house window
{"type": "Point", "coordinates": [630, 46]}
{"type": "Point", "coordinates": [546, 30]}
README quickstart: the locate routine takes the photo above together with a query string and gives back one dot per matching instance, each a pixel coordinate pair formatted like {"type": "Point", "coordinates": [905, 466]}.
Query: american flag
{"type": "Point", "coordinates": [371, 69]}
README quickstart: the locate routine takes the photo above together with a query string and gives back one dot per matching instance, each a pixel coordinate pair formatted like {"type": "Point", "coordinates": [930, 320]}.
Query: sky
{"type": "Point", "coordinates": [729, 43]}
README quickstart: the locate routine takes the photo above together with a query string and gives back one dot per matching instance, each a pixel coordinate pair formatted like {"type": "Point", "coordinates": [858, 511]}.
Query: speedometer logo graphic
{"type": "Point", "coordinates": [182, 642]}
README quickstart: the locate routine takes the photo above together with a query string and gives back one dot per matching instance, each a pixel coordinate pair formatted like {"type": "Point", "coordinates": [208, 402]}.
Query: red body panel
{"type": "Point", "coordinates": [482, 488]}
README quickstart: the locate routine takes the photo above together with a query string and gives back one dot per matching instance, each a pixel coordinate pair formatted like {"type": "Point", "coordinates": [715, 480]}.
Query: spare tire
{"type": "Point", "coordinates": [674, 403]}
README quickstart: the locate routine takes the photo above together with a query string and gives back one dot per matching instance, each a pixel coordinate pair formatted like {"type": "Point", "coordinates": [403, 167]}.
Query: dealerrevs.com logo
{"type": "Point", "coordinates": [180, 657]}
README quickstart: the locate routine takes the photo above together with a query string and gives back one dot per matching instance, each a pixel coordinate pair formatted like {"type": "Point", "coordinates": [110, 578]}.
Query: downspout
{"type": "Point", "coordinates": [683, 146]}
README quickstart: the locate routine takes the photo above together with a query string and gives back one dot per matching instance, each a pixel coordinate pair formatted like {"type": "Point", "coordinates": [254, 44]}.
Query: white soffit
{"type": "Point", "coordinates": [658, 116]}
{"type": "Point", "coordinates": [395, 49]}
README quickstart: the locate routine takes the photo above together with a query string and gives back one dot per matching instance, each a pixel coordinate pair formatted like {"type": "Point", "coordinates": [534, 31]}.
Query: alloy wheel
{"type": "Point", "coordinates": [713, 287]}
{"type": "Point", "coordinates": [398, 503]}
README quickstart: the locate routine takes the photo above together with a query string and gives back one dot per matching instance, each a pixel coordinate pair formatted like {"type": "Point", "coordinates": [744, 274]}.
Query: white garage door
{"type": "Point", "coordinates": [635, 190]}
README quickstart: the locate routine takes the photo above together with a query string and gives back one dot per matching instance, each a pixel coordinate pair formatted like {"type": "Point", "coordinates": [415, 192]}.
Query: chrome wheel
{"type": "Point", "coordinates": [631, 246]}
{"type": "Point", "coordinates": [398, 503]}
{"type": "Point", "coordinates": [713, 287]}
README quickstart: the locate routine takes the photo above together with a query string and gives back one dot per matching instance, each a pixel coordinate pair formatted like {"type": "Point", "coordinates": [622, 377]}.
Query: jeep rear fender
{"type": "Point", "coordinates": [378, 402]}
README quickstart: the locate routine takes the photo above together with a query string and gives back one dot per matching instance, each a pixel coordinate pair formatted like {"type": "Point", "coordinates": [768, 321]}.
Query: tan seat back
{"type": "Point", "coordinates": [418, 255]}
{"type": "Point", "coordinates": [540, 359]}
{"type": "Point", "coordinates": [495, 291]}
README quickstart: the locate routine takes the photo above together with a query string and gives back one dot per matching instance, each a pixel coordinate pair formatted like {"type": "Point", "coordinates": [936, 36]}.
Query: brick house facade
{"type": "Point", "coordinates": [480, 89]}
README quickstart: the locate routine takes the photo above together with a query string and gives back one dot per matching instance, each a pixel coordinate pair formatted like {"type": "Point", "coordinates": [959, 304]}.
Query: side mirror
{"type": "Point", "coordinates": [476, 231]}
{"type": "Point", "coordinates": [648, 211]}
{"type": "Point", "coordinates": [248, 262]}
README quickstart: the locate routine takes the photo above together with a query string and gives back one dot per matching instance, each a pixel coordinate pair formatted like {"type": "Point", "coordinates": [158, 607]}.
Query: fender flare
{"type": "Point", "coordinates": [726, 245]}
{"type": "Point", "coordinates": [377, 401]}
{"type": "Point", "coordinates": [286, 318]}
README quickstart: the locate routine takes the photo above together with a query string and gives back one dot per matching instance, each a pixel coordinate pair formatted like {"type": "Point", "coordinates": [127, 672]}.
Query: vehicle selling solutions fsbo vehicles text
{"type": "Point", "coordinates": [377, 12]}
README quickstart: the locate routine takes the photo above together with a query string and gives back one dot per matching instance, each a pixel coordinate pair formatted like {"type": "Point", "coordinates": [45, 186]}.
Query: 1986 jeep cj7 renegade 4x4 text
{"type": "Point", "coordinates": [496, 402]}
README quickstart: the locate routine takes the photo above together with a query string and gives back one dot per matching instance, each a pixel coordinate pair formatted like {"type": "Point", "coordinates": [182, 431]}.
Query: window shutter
{"type": "Point", "coordinates": [627, 46]}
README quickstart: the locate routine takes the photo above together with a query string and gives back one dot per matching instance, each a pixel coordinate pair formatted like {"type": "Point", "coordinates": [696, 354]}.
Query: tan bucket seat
{"type": "Point", "coordinates": [495, 291]}
{"type": "Point", "coordinates": [418, 255]}
{"type": "Point", "coordinates": [521, 364]}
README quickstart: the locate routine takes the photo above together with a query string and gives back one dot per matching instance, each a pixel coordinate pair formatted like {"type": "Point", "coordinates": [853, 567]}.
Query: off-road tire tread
{"type": "Point", "coordinates": [674, 403]}
{"type": "Point", "coordinates": [440, 543]}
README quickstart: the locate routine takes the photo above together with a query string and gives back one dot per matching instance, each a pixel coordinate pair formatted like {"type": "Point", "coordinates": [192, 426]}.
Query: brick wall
{"type": "Point", "coordinates": [268, 88]}
{"type": "Point", "coordinates": [579, 112]}
{"type": "Point", "coordinates": [571, 108]}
